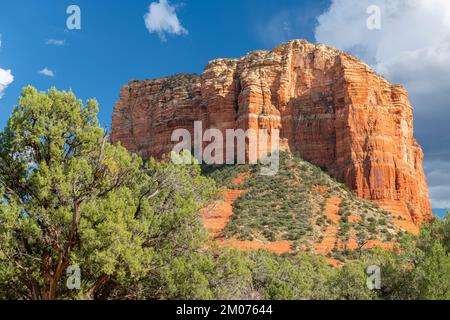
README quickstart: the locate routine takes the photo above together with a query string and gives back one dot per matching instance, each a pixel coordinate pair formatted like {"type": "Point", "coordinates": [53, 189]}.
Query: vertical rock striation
{"type": "Point", "coordinates": [330, 107]}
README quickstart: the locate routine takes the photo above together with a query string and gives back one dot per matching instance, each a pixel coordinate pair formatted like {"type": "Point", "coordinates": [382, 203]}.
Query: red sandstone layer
{"type": "Point", "coordinates": [329, 106]}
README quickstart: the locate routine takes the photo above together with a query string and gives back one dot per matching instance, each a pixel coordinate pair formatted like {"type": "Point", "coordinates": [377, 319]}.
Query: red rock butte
{"type": "Point", "coordinates": [329, 106]}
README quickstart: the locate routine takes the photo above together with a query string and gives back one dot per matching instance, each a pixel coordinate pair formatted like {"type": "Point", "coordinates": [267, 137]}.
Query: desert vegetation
{"type": "Point", "coordinates": [71, 198]}
{"type": "Point", "coordinates": [292, 205]}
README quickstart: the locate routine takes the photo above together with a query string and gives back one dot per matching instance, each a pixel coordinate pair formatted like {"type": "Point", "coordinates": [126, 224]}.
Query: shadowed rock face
{"type": "Point", "coordinates": [330, 107]}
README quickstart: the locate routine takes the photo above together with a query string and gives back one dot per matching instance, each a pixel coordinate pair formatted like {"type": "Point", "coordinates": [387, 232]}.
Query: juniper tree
{"type": "Point", "coordinates": [70, 198]}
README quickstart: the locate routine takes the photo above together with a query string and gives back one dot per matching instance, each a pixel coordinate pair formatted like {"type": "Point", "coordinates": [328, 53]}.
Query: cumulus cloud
{"type": "Point", "coordinates": [55, 42]}
{"type": "Point", "coordinates": [6, 77]}
{"type": "Point", "coordinates": [162, 19]}
{"type": "Point", "coordinates": [412, 48]}
{"type": "Point", "coordinates": [47, 72]}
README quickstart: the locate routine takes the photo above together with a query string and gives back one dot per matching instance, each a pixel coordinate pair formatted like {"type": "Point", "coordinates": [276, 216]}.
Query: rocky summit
{"type": "Point", "coordinates": [331, 108]}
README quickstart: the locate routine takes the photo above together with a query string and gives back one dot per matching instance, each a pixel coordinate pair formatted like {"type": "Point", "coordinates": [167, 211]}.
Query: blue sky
{"type": "Point", "coordinates": [115, 46]}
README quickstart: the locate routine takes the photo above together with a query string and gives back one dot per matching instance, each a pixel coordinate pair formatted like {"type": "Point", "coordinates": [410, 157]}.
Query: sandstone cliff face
{"type": "Point", "coordinates": [330, 107]}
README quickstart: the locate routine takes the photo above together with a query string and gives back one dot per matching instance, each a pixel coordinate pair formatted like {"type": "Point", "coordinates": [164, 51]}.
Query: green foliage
{"type": "Point", "coordinates": [420, 267]}
{"type": "Point", "coordinates": [291, 205]}
{"type": "Point", "coordinates": [275, 207]}
{"type": "Point", "coordinates": [303, 276]}
{"type": "Point", "coordinates": [224, 175]}
{"type": "Point", "coordinates": [220, 274]}
{"type": "Point", "coordinates": [349, 283]}
{"type": "Point", "coordinates": [71, 198]}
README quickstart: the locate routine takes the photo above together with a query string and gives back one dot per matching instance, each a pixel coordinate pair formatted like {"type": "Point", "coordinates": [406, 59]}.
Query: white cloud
{"type": "Point", "coordinates": [6, 77]}
{"type": "Point", "coordinates": [47, 72]}
{"type": "Point", "coordinates": [55, 42]}
{"type": "Point", "coordinates": [407, 26]}
{"type": "Point", "coordinates": [161, 18]}
{"type": "Point", "coordinates": [411, 48]}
